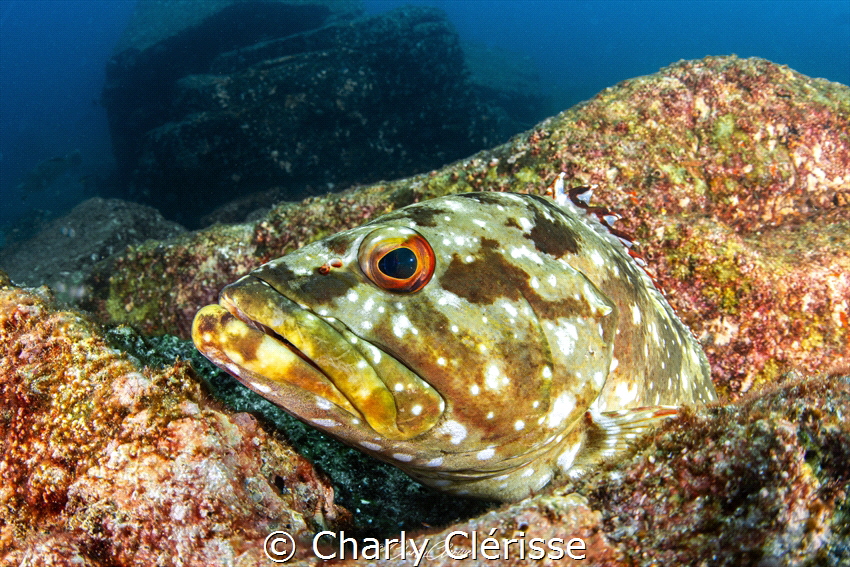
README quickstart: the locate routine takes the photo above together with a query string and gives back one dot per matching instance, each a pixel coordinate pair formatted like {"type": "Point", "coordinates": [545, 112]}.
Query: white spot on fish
{"type": "Point", "coordinates": [376, 354]}
{"type": "Point", "coordinates": [597, 258]}
{"type": "Point", "coordinates": [543, 481]}
{"type": "Point", "coordinates": [474, 390]}
{"type": "Point", "coordinates": [626, 392]}
{"type": "Point", "coordinates": [479, 222]}
{"type": "Point", "coordinates": [486, 454]}
{"type": "Point", "coordinates": [262, 388]}
{"type": "Point", "coordinates": [566, 336]}
{"type": "Point", "coordinates": [635, 314]}
{"type": "Point", "coordinates": [324, 422]}
{"type": "Point", "coordinates": [401, 324]}
{"type": "Point", "coordinates": [436, 462]}
{"type": "Point", "coordinates": [535, 283]}
{"type": "Point", "coordinates": [455, 430]}
{"type": "Point", "coordinates": [324, 404]}
{"type": "Point", "coordinates": [565, 461]}
{"type": "Point", "coordinates": [525, 224]}
{"type": "Point", "coordinates": [561, 409]}
{"type": "Point", "coordinates": [491, 379]}
{"type": "Point", "coordinates": [403, 457]}
{"type": "Point", "coordinates": [371, 446]}
{"type": "Point", "coordinates": [441, 361]}
{"type": "Point", "coordinates": [598, 379]}
{"type": "Point", "coordinates": [398, 387]}
{"type": "Point", "coordinates": [352, 296]}
{"type": "Point", "coordinates": [519, 425]}
{"type": "Point", "coordinates": [416, 410]}
{"type": "Point", "coordinates": [525, 252]}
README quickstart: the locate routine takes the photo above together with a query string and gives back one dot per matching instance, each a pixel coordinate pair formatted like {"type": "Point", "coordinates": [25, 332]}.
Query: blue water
{"type": "Point", "coordinates": [53, 52]}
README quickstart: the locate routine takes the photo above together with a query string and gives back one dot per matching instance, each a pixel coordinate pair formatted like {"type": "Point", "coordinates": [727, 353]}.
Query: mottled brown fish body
{"type": "Point", "coordinates": [483, 343]}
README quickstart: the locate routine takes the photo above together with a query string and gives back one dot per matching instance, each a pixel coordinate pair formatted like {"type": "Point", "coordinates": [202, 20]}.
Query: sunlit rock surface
{"type": "Point", "coordinates": [107, 462]}
{"type": "Point", "coordinates": [733, 174]}
{"type": "Point", "coordinates": [735, 177]}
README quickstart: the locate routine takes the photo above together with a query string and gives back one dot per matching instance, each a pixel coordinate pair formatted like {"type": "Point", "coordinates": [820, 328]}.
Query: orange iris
{"type": "Point", "coordinates": [396, 259]}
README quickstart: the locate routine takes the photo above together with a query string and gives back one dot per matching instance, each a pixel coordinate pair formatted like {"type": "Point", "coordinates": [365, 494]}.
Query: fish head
{"type": "Point", "coordinates": [451, 338]}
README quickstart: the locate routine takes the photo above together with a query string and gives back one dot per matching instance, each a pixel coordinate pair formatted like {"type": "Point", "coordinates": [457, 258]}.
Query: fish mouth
{"type": "Point", "coordinates": [313, 367]}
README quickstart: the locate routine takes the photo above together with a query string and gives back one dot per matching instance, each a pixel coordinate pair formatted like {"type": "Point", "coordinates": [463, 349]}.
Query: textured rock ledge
{"type": "Point", "coordinates": [106, 462]}
{"type": "Point", "coordinates": [734, 174]}
{"type": "Point", "coordinates": [109, 463]}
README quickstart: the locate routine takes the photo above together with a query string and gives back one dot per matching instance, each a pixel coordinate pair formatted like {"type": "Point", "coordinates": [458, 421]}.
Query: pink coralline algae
{"type": "Point", "coordinates": [760, 482]}
{"type": "Point", "coordinates": [733, 174]}
{"type": "Point", "coordinates": [108, 463]}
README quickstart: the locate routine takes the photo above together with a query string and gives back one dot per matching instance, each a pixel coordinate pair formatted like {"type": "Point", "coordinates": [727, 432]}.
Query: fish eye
{"type": "Point", "coordinates": [397, 259]}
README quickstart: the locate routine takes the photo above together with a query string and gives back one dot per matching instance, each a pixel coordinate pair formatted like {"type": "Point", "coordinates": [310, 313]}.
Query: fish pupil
{"type": "Point", "coordinates": [400, 263]}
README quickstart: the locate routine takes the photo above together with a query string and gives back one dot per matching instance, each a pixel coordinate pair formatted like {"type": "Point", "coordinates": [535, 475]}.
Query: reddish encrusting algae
{"type": "Point", "coordinates": [105, 462]}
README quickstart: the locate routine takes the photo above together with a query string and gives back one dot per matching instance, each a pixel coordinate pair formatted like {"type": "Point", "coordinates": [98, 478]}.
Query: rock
{"type": "Point", "coordinates": [760, 482]}
{"type": "Point", "coordinates": [62, 254]}
{"type": "Point", "coordinates": [166, 40]}
{"type": "Point", "coordinates": [310, 108]}
{"type": "Point", "coordinates": [106, 462]}
{"type": "Point", "coordinates": [733, 174]}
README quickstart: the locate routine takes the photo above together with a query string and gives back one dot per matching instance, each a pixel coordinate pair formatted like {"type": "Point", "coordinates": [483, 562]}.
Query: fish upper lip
{"type": "Point", "coordinates": [266, 330]}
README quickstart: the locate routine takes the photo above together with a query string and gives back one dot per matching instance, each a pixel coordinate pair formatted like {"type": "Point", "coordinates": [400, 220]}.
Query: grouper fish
{"type": "Point", "coordinates": [487, 344]}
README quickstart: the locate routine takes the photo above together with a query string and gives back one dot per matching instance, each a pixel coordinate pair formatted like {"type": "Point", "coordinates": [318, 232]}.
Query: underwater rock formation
{"type": "Point", "coordinates": [760, 482]}
{"type": "Point", "coordinates": [733, 174]}
{"type": "Point", "coordinates": [64, 252]}
{"type": "Point", "coordinates": [107, 462]}
{"type": "Point", "coordinates": [329, 102]}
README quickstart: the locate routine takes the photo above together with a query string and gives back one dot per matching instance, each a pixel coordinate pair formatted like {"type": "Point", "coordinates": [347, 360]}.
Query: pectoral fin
{"type": "Point", "coordinates": [613, 432]}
